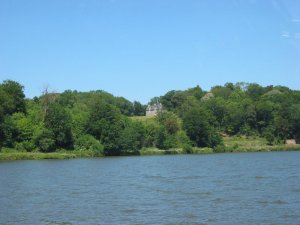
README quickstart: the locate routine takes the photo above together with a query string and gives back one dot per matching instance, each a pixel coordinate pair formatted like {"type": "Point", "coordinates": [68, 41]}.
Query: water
{"type": "Point", "coordinates": [247, 188]}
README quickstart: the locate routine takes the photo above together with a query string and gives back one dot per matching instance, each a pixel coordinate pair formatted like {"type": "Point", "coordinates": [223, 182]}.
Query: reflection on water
{"type": "Point", "coordinates": [248, 188]}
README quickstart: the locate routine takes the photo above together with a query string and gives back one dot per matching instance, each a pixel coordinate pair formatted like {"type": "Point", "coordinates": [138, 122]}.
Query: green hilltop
{"type": "Point", "coordinates": [228, 118]}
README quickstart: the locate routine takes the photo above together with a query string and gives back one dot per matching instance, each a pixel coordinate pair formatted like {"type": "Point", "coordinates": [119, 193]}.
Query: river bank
{"type": "Point", "coordinates": [231, 144]}
{"type": "Point", "coordinates": [15, 155]}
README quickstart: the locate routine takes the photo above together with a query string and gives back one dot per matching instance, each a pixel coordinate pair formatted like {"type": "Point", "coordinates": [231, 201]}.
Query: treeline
{"type": "Point", "coordinates": [107, 125]}
{"type": "Point", "coordinates": [247, 109]}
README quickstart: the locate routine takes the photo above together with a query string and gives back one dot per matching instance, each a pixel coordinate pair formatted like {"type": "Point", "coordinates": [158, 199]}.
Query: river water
{"type": "Point", "coordinates": [240, 188]}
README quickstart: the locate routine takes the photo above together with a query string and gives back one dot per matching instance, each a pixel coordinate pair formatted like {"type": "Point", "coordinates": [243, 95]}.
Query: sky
{"type": "Point", "coordinates": [139, 49]}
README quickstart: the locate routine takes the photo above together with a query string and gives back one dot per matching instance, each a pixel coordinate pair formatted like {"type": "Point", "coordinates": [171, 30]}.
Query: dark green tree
{"type": "Point", "coordinates": [197, 123]}
{"type": "Point", "coordinates": [169, 120]}
{"type": "Point", "coordinates": [295, 120]}
{"type": "Point", "coordinates": [12, 100]}
{"type": "Point", "coordinates": [132, 137]}
{"type": "Point", "coordinates": [105, 123]}
{"type": "Point", "coordinates": [88, 142]}
{"type": "Point", "coordinates": [14, 91]}
{"type": "Point", "coordinates": [220, 91]}
{"type": "Point", "coordinates": [45, 140]}
{"type": "Point", "coordinates": [67, 98]}
{"type": "Point", "coordinates": [218, 108]}
{"type": "Point", "coordinates": [125, 106]}
{"type": "Point", "coordinates": [234, 118]}
{"type": "Point", "coordinates": [151, 131]}
{"type": "Point", "coordinates": [139, 109]}
{"type": "Point", "coordinates": [58, 121]}
{"type": "Point", "coordinates": [254, 91]}
{"type": "Point", "coordinates": [264, 114]}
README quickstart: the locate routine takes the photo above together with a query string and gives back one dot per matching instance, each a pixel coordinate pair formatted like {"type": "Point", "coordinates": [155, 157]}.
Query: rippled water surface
{"type": "Point", "coordinates": [247, 188]}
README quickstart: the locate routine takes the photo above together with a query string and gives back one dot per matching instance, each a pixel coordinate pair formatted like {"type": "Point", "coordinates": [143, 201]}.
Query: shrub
{"type": "Point", "coordinates": [88, 142]}
{"type": "Point", "coordinates": [187, 149]}
{"type": "Point", "coordinates": [183, 139]}
{"type": "Point", "coordinates": [27, 146]}
{"type": "Point", "coordinates": [44, 141]}
{"type": "Point", "coordinates": [219, 148]}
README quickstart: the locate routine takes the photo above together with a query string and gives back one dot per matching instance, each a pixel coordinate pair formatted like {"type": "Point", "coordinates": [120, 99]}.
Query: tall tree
{"type": "Point", "coordinates": [169, 120]}
{"type": "Point", "coordinates": [138, 109]}
{"type": "Point", "coordinates": [106, 124]}
{"type": "Point", "coordinates": [198, 127]}
{"type": "Point", "coordinates": [14, 90]}
{"type": "Point", "coordinates": [12, 100]}
{"type": "Point", "coordinates": [58, 120]}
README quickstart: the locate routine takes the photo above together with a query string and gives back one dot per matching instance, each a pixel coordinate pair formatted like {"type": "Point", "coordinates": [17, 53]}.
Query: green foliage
{"type": "Point", "coordinates": [12, 100]}
{"type": "Point", "coordinates": [270, 138]}
{"type": "Point", "coordinates": [295, 120]}
{"type": "Point", "coordinates": [196, 92]}
{"type": "Point", "coordinates": [12, 97]}
{"type": "Point", "coordinates": [27, 146]}
{"type": "Point", "coordinates": [67, 98]}
{"type": "Point", "coordinates": [102, 124]}
{"type": "Point", "coordinates": [88, 142]}
{"type": "Point", "coordinates": [36, 155]}
{"type": "Point", "coordinates": [125, 106]}
{"type": "Point", "coordinates": [219, 148]}
{"type": "Point", "coordinates": [105, 123]}
{"type": "Point", "coordinates": [169, 120]}
{"type": "Point", "coordinates": [197, 123]}
{"type": "Point", "coordinates": [44, 140]}
{"type": "Point", "coordinates": [58, 121]}
{"type": "Point", "coordinates": [166, 100]}
{"type": "Point", "coordinates": [190, 102]}
{"type": "Point", "coordinates": [173, 100]}
{"type": "Point", "coordinates": [151, 134]}
{"type": "Point", "coordinates": [139, 109]}
{"type": "Point", "coordinates": [234, 117]}
{"type": "Point", "coordinates": [132, 136]}
{"type": "Point", "coordinates": [10, 132]}
{"type": "Point", "coordinates": [182, 139]}
{"type": "Point", "coordinates": [222, 92]}
{"type": "Point", "coordinates": [188, 149]}
{"type": "Point", "coordinates": [264, 113]}
{"type": "Point", "coordinates": [160, 138]}
{"type": "Point", "coordinates": [217, 106]}
{"type": "Point", "coordinates": [170, 142]}
{"type": "Point", "coordinates": [6, 104]}
{"type": "Point", "coordinates": [254, 91]}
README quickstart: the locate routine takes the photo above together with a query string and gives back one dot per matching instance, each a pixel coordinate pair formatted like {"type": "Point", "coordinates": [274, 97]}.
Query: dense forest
{"type": "Point", "coordinates": [109, 125]}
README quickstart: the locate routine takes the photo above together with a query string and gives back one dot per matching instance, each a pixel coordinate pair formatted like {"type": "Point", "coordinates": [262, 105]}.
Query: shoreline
{"type": "Point", "coordinates": [15, 155]}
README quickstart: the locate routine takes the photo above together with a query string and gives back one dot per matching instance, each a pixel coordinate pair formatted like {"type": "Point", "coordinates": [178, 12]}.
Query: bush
{"type": "Point", "coordinates": [187, 149]}
{"type": "Point", "coordinates": [46, 145]}
{"type": "Point", "coordinates": [27, 146]}
{"type": "Point", "coordinates": [236, 146]}
{"type": "Point", "coordinates": [219, 148]}
{"type": "Point", "coordinates": [198, 124]}
{"type": "Point", "coordinates": [132, 137]}
{"type": "Point", "coordinates": [183, 139]}
{"type": "Point", "coordinates": [44, 141]}
{"type": "Point", "coordinates": [170, 142]}
{"type": "Point", "coordinates": [88, 142]}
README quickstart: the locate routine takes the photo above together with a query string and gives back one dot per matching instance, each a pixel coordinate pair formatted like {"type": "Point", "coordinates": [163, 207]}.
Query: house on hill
{"type": "Point", "coordinates": [152, 110]}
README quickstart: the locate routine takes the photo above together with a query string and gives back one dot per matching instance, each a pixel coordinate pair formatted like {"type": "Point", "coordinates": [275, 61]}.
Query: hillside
{"type": "Point", "coordinates": [103, 124]}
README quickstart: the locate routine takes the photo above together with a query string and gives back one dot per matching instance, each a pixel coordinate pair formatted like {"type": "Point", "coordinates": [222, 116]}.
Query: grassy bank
{"type": "Point", "coordinates": [11, 154]}
{"type": "Point", "coordinates": [231, 144]}
{"type": "Point", "coordinates": [35, 155]}
{"type": "Point", "coordinates": [254, 144]}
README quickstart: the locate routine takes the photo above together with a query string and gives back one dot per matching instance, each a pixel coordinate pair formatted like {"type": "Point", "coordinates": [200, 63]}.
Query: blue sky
{"type": "Point", "coordinates": [141, 48]}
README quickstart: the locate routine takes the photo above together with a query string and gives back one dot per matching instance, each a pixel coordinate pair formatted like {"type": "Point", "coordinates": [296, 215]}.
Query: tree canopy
{"type": "Point", "coordinates": [101, 122]}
